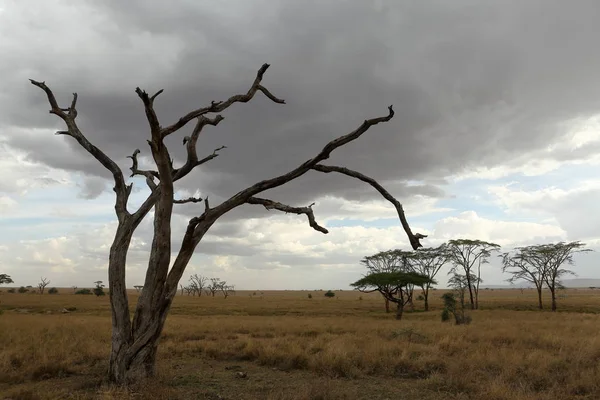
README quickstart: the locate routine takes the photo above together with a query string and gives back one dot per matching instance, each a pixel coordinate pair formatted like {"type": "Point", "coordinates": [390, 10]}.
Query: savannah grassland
{"type": "Point", "coordinates": [293, 347]}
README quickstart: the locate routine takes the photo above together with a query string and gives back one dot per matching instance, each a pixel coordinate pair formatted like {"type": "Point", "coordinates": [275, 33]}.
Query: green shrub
{"type": "Point", "coordinates": [99, 291]}
{"type": "Point", "coordinates": [23, 290]}
{"type": "Point", "coordinates": [310, 295]}
{"type": "Point", "coordinates": [83, 291]}
{"type": "Point", "coordinates": [329, 294]}
{"type": "Point", "coordinates": [53, 291]}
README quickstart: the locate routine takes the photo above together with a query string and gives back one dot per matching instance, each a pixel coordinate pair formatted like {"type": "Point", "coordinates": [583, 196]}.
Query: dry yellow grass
{"type": "Point", "coordinates": [293, 347]}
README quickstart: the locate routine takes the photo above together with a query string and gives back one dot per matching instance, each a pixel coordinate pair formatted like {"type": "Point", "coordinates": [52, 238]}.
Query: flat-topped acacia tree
{"type": "Point", "coordinates": [135, 341]}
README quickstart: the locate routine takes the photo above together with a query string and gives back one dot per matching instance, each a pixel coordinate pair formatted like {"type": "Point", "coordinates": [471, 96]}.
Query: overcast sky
{"type": "Point", "coordinates": [496, 134]}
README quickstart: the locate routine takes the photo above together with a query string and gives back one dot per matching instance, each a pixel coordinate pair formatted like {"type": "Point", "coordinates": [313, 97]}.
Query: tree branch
{"type": "Point", "coordinates": [242, 196]}
{"type": "Point", "coordinates": [188, 200]}
{"type": "Point", "coordinates": [68, 116]}
{"type": "Point", "coordinates": [150, 175]}
{"type": "Point", "coordinates": [150, 113]}
{"type": "Point", "coordinates": [270, 204]}
{"type": "Point", "coordinates": [190, 143]}
{"type": "Point", "coordinates": [414, 238]}
{"type": "Point", "coordinates": [218, 106]}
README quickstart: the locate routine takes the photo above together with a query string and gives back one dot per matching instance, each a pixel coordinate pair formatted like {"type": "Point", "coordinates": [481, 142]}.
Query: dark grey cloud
{"type": "Point", "coordinates": [473, 84]}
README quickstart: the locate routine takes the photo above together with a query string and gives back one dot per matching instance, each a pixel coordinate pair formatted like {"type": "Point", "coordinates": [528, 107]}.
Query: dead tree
{"type": "Point", "coordinates": [197, 284]}
{"type": "Point", "coordinates": [227, 290]}
{"type": "Point", "coordinates": [135, 341]}
{"type": "Point", "coordinates": [215, 286]}
{"type": "Point", "coordinates": [42, 285]}
{"type": "Point", "coordinates": [138, 288]}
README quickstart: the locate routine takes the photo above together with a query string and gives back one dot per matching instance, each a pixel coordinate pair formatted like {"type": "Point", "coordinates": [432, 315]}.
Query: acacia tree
{"type": "Point", "coordinates": [5, 279]}
{"type": "Point", "coordinates": [386, 261]}
{"type": "Point", "coordinates": [525, 264]}
{"type": "Point", "coordinates": [428, 262]}
{"type": "Point", "coordinates": [553, 257]}
{"type": "Point", "coordinates": [42, 285]}
{"type": "Point", "coordinates": [468, 255]}
{"type": "Point", "coordinates": [394, 286]}
{"type": "Point", "coordinates": [135, 341]}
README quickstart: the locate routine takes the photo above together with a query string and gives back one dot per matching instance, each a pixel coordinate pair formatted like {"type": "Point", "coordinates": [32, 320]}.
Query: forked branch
{"type": "Point", "coordinates": [270, 204]}
{"type": "Point", "coordinates": [414, 238]}
{"type": "Point", "coordinates": [150, 175]}
{"type": "Point", "coordinates": [219, 106]}
{"type": "Point", "coordinates": [68, 115]}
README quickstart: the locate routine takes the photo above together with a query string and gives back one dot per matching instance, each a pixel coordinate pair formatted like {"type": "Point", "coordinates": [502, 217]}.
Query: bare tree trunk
{"type": "Point", "coordinates": [539, 291]}
{"type": "Point", "coordinates": [553, 292]}
{"type": "Point", "coordinates": [387, 305]}
{"type": "Point", "coordinates": [426, 298]}
{"type": "Point", "coordinates": [399, 310]}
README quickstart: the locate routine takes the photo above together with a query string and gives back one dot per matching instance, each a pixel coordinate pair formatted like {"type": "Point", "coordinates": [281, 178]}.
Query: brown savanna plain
{"type": "Point", "coordinates": [293, 347]}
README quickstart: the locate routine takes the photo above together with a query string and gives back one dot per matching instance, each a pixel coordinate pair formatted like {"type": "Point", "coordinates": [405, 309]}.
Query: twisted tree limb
{"type": "Point", "coordinates": [270, 204]}
{"type": "Point", "coordinates": [414, 238]}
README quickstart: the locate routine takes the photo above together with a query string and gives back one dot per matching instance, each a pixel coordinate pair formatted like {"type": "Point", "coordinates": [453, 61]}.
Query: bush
{"type": "Point", "coordinates": [83, 291]}
{"type": "Point", "coordinates": [329, 294]}
{"type": "Point", "coordinates": [53, 291]}
{"type": "Point", "coordinates": [450, 307]}
{"type": "Point", "coordinates": [99, 291]}
{"type": "Point", "coordinates": [310, 296]}
{"type": "Point", "coordinates": [420, 298]}
{"type": "Point", "coordinates": [11, 290]}
{"type": "Point", "coordinates": [23, 290]}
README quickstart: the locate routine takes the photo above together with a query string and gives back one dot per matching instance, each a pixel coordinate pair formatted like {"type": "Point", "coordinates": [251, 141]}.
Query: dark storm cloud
{"type": "Point", "coordinates": [473, 84]}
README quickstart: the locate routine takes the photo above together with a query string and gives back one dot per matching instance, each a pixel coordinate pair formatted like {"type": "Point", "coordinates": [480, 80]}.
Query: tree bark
{"type": "Point", "coordinates": [553, 292]}
{"type": "Point", "coordinates": [539, 291]}
{"type": "Point", "coordinates": [387, 305]}
{"type": "Point", "coordinates": [399, 310]}
{"type": "Point", "coordinates": [426, 298]}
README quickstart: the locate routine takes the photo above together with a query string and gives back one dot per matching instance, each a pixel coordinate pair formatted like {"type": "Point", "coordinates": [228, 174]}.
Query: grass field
{"type": "Point", "coordinates": [293, 347]}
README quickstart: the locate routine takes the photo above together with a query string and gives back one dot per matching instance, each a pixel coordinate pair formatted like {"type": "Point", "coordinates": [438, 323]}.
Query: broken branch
{"type": "Point", "coordinates": [270, 204]}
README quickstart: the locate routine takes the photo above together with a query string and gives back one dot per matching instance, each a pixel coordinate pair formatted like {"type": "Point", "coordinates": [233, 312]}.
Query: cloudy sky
{"type": "Point", "coordinates": [496, 134]}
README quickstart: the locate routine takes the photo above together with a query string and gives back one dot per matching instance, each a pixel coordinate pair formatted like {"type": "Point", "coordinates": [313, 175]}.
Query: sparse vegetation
{"type": "Point", "coordinates": [5, 279]}
{"type": "Point", "coordinates": [99, 289]}
{"type": "Point", "coordinates": [302, 348]}
{"type": "Point", "coordinates": [329, 294]}
{"type": "Point", "coordinates": [83, 291]}
{"type": "Point", "coordinates": [53, 291]}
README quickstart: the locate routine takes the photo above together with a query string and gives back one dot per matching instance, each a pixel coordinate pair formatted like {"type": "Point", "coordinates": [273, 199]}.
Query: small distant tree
{"type": "Point", "coordinates": [53, 291]}
{"type": "Point", "coordinates": [553, 257]}
{"type": "Point", "coordinates": [197, 284]}
{"type": "Point", "coordinates": [428, 262]}
{"type": "Point", "coordinates": [525, 264]}
{"type": "Point", "coordinates": [215, 286]}
{"type": "Point", "coordinates": [467, 256]}
{"type": "Point", "coordinates": [388, 261]}
{"type": "Point", "coordinates": [393, 286]}
{"type": "Point", "coordinates": [329, 294]}
{"type": "Point", "coordinates": [23, 289]}
{"type": "Point", "coordinates": [42, 285]}
{"type": "Point", "coordinates": [99, 289]}
{"type": "Point", "coordinates": [310, 296]}
{"type": "Point", "coordinates": [457, 310]}
{"type": "Point", "coordinates": [5, 279]}
{"type": "Point", "coordinates": [227, 290]}
{"type": "Point", "coordinates": [138, 288]}
{"type": "Point", "coordinates": [460, 284]}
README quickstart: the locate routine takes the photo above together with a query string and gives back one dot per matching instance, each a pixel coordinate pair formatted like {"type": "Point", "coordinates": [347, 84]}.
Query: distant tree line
{"type": "Point", "coordinates": [198, 284]}
{"type": "Point", "coordinates": [396, 273]}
